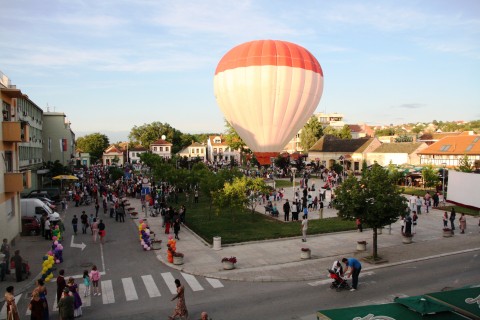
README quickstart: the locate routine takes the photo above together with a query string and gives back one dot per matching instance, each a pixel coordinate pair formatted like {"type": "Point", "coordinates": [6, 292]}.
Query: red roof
{"type": "Point", "coordinates": [161, 142]}
{"type": "Point", "coordinates": [455, 145]}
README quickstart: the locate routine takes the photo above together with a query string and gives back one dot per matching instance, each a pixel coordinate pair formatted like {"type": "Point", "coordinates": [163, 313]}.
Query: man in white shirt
{"type": "Point", "coordinates": [48, 231]}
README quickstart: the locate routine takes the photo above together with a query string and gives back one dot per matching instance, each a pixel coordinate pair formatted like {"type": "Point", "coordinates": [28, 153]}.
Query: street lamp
{"type": "Point", "coordinates": [443, 181]}
{"type": "Point", "coordinates": [293, 181]}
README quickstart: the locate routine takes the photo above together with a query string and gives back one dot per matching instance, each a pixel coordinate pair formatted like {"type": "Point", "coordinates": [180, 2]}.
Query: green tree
{"type": "Point", "coordinates": [234, 141]}
{"type": "Point", "coordinates": [375, 199]}
{"type": "Point", "coordinates": [94, 144]}
{"type": "Point", "coordinates": [464, 164]}
{"type": "Point", "coordinates": [430, 176]}
{"type": "Point", "coordinates": [311, 132]}
{"type": "Point", "coordinates": [404, 138]}
{"type": "Point", "coordinates": [343, 133]}
{"type": "Point", "coordinates": [146, 134]}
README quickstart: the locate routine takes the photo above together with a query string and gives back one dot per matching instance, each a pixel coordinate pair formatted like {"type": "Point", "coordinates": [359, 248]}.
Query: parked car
{"type": "Point", "coordinates": [30, 226]}
{"type": "Point", "coordinates": [43, 196]}
{"type": "Point", "coordinates": [52, 193]}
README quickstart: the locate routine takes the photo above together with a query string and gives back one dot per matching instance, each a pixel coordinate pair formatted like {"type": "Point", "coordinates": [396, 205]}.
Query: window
{"type": "Point", "coordinates": [8, 161]}
{"type": "Point", "coordinates": [166, 149]}
{"type": "Point", "coordinates": [160, 149]}
{"type": "Point", "coordinates": [476, 140]}
{"type": "Point", "coordinates": [469, 147]}
{"type": "Point", "coordinates": [445, 147]}
{"type": "Point", "coordinates": [154, 148]}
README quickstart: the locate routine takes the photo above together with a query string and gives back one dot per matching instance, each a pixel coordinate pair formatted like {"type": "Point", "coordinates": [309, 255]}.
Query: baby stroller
{"type": "Point", "coordinates": [338, 282]}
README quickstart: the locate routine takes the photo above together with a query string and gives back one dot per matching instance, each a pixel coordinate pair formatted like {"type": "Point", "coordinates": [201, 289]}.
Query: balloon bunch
{"type": "Point", "coordinates": [144, 233]}
{"type": "Point", "coordinates": [56, 233]}
{"type": "Point", "coordinates": [171, 248]}
{"type": "Point", "coordinates": [47, 266]}
{"type": "Point", "coordinates": [57, 250]}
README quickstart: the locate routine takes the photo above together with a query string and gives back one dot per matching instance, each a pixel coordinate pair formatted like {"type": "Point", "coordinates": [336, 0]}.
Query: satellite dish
{"type": "Point", "coordinates": [163, 137]}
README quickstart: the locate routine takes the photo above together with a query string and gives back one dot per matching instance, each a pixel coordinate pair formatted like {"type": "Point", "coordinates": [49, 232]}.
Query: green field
{"type": "Point", "coordinates": [245, 226]}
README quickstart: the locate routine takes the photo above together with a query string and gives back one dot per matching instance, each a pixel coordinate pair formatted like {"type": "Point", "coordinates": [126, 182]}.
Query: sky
{"type": "Point", "coordinates": [113, 64]}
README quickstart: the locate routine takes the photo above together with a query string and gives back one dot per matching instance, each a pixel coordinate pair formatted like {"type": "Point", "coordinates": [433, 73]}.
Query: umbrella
{"type": "Point", "coordinates": [422, 304]}
{"type": "Point", "coordinates": [465, 301]}
{"type": "Point", "coordinates": [390, 311]}
{"type": "Point", "coordinates": [65, 177]}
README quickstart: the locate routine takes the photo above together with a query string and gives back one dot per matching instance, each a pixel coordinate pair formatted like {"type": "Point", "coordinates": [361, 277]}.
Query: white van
{"type": "Point", "coordinates": [33, 207]}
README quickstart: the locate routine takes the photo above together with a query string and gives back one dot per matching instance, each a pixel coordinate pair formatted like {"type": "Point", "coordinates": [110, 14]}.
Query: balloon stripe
{"type": "Point", "coordinates": [269, 52]}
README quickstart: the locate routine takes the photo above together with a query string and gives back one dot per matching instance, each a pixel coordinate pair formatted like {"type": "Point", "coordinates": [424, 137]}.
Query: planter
{"type": "Point", "coordinates": [447, 233]}
{"type": "Point", "coordinates": [307, 254]}
{"type": "Point", "coordinates": [227, 265]}
{"type": "Point", "coordinates": [361, 246]}
{"type": "Point", "coordinates": [178, 260]}
{"type": "Point", "coordinates": [407, 240]}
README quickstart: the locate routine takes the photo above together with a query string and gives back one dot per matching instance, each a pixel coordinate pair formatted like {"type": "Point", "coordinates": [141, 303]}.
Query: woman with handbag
{"type": "Point", "coordinates": [12, 312]}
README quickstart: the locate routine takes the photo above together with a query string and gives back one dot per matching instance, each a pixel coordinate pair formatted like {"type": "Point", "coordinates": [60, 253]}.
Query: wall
{"type": "Point", "coordinates": [464, 188]}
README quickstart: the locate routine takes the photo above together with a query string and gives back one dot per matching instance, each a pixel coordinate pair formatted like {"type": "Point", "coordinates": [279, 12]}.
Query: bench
{"type": "Point", "coordinates": [268, 209]}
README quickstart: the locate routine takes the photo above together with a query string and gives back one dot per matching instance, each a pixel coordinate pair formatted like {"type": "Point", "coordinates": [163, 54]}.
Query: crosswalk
{"type": "Point", "coordinates": [127, 289]}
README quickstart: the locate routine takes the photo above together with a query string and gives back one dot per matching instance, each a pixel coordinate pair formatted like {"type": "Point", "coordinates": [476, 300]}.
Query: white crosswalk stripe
{"type": "Point", "coordinates": [129, 288]}
{"type": "Point", "coordinates": [170, 281]}
{"type": "Point", "coordinates": [151, 287]}
{"type": "Point", "coordinates": [110, 288]}
{"type": "Point", "coordinates": [215, 283]}
{"type": "Point", "coordinates": [192, 282]}
{"type": "Point", "coordinates": [107, 292]}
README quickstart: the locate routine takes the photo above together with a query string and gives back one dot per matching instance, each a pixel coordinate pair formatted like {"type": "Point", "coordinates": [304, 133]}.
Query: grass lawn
{"type": "Point", "coordinates": [459, 209]}
{"type": "Point", "coordinates": [417, 191]}
{"type": "Point", "coordinates": [245, 226]}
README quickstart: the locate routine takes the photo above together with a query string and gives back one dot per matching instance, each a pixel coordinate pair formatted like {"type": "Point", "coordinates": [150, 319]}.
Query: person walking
{"type": "Point", "coordinates": [304, 228]}
{"type": "Point", "coordinates": [419, 205]}
{"type": "Point", "coordinates": [87, 283]}
{"type": "Point", "coordinates": [320, 212]}
{"type": "Point", "coordinates": [101, 231]}
{"type": "Point", "coordinates": [18, 261]}
{"type": "Point", "coordinates": [5, 249]}
{"type": "Point", "coordinates": [66, 305]}
{"type": "Point", "coordinates": [84, 219]}
{"type": "Point", "coordinates": [462, 222]}
{"type": "Point", "coordinates": [294, 210]}
{"type": "Point", "coordinates": [37, 307]}
{"type": "Point", "coordinates": [12, 311]}
{"type": "Point", "coordinates": [286, 210]}
{"type": "Point", "coordinates": [358, 221]}
{"type": "Point", "coordinates": [90, 222]}
{"type": "Point", "coordinates": [61, 284]}
{"type": "Point", "coordinates": [176, 228]}
{"type": "Point", "coordinates": [445, 219]}
{"type": "Point", "coordinates": [77, 301]}
{"type": "Point", "coordinates": [95, 230]}
{"type": "Point", "coordinates": [196, 196]}
{"type": "Point", "coordinates": [41, 290]}
{"type": "Point", "coordinates": [97, 207]}
{"type": "Point", "coordinates": [353, 268]}
{"type": "Point", "coordinates": [452, 218]}
{"type": "Point", "coordinates": [181, 307]}
{"type": "Point", "coordinates": [75, 224]}
{"type": "Point", "coordinates": [48, 229]}
{"type": "Point", "coordinates": [95, 277]}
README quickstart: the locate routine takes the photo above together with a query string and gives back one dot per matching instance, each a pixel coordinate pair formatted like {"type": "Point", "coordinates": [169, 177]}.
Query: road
{"type": "Point", "coordinates": [135, 285]}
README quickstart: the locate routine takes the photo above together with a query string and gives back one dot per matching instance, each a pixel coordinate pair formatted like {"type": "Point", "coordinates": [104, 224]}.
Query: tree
{"type": "Point", "coordinates": [94, 144]}
{"type": "Point", "coordinates": [343, 133]}
{"type": "Point", "coordinates": [311, 132]}
{"type": "Point", "coordinates": [464, 164]}
{"type": "Point", "coordinates": [430, 176]}
{"type": "Point", "coordinates": [148, 133]}
{"type": "Point", "coordinates": [375, 199]}
{"type": "Point", "coordinates": [404, 138]}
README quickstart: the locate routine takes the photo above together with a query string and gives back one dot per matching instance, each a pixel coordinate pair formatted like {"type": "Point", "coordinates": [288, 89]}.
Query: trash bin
{"type": "Point", "coordinates": [217, 243]}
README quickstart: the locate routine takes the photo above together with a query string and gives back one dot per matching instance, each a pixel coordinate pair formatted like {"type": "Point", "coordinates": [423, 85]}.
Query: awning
{"type": "Point", "coordinates": [390, 311]}
{"type": "Point", "coordinates": [465, 301]}
{"type": "Point", "coordinates": [422, 304]}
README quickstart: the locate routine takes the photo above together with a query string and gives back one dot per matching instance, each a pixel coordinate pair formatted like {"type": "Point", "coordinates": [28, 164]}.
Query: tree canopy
{"type": "Point", "coordinates": [94, 144]}
{"type": "Point", "coordinates": [343, 133]}
{"type": "Point", "coordinates": [311, 132]}
{"type": "Point", "coordinates": [375, 199]}
{"type": "Point", "coordinates": [146, 134]}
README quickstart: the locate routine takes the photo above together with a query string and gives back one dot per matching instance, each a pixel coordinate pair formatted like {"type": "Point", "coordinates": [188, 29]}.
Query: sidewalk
{"type": "Point", "coordinates": [279, 260]}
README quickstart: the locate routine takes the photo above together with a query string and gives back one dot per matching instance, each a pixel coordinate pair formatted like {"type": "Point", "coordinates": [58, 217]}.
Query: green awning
{"type": "Point", "coordinates": [389, 311]}
{"type": "Point", "coordinates": [465, 301]}
{"type": "Point", "coordinates": [423, 304]}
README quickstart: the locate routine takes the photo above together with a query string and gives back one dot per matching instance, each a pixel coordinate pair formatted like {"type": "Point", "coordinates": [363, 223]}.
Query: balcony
{"type": "Point", "coordinates": [17, 181]}
{"type": "Point", "coordinates": [15, 131]}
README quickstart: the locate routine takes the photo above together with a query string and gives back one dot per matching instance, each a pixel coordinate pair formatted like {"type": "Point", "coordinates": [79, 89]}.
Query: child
{"type": "Point", "coordinates": [86, 282]}
{"type": "Point", "coordinates": [95, 277]}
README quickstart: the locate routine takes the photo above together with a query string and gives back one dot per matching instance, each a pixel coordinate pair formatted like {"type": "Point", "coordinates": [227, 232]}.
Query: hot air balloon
{"type": "Point", "coordinates": [267, 90]}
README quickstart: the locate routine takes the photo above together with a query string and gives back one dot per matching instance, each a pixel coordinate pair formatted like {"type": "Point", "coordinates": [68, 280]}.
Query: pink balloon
{"type": "Point", "coordinates": [49, 253]}
{"type": "Point", "coordinates": [55, 242]}
{"type": "Point", "coordinates": [170, 237]}
{"type": "Point", "coordinates": [54, 238]}
{"type": "Point", "coordinates": [57, 261]}
{"type": "Point", "coordinates": [142, 242]}
{"type": "Point", "coordinates": [140, 221]}
{"type": "Point", "coordinates": [60, 247]}
{"type": "Point", "coordinates": [148, 249]}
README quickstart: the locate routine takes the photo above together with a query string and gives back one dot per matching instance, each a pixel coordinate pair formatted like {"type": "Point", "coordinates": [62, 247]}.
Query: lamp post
{"type": "Point", "coordinates": [443, 181]}
{"type": "Point", "coordinates": [293, 181]}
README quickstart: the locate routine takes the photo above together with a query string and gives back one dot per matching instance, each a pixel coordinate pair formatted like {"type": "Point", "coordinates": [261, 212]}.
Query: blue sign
{"type": "Point", "coordinates": [145, 191]}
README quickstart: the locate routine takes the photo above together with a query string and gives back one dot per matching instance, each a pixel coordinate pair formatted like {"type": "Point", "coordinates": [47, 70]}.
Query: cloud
{"type": "Point", "coordinates": [411, 106]}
